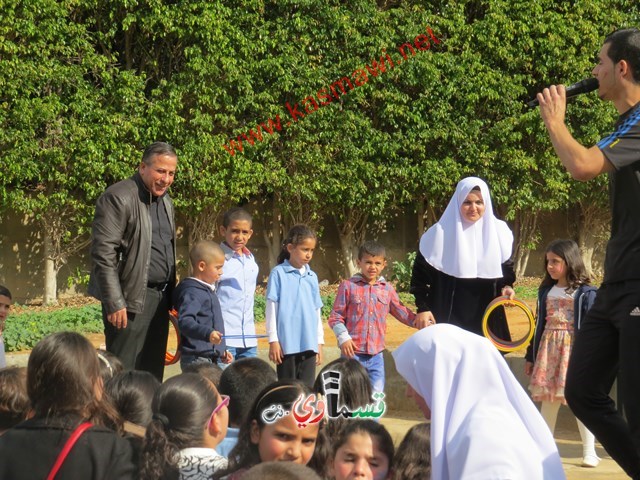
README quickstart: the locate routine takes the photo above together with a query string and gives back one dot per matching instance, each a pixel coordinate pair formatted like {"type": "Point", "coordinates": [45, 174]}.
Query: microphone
{"type": "Point", "coordinates": [585, 86]}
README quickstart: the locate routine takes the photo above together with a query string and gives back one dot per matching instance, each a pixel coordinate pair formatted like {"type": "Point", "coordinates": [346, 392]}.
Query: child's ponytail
{"type": "Point", "coordinates": [298, 234]}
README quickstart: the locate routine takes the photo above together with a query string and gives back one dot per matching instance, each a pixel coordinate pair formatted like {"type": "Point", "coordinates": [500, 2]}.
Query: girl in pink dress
{"type": "Point", "coordinates": [564, 297]}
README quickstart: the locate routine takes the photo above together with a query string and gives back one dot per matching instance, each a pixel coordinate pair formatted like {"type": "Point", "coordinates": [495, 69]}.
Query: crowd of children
{"type": "Point", "coordinates": [229, 415]}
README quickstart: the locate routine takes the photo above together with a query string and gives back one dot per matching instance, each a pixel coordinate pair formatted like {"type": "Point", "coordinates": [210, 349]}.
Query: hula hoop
{"type": "Point", "coordinates": [169, 358]}
{"type": "Point", "coordinates": [500, 343]}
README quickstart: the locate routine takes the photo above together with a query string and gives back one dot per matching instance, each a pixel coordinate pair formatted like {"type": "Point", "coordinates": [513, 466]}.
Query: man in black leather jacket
{"type": "Point", "coordinates": [133, 261]}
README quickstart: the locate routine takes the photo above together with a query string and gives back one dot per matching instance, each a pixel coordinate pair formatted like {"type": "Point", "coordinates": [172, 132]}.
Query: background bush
{"type": "Point", "coordinates": [24, 330]}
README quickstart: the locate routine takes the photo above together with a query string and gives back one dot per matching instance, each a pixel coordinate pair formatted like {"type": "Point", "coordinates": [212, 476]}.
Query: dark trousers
{"type": "Point", "coordinates": [143, 344]}
{"type": "Point", "coordinates": [298, 366]}
{"type": "Point", "coordinates": [608, 343]}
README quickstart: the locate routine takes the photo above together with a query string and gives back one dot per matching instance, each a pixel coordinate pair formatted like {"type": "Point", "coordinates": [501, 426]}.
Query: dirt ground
{"type": "Point", "coordinates": [396, 332]}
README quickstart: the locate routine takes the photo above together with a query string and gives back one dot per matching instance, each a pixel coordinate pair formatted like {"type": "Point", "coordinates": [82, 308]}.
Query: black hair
{"type": "Point", "coordinates": [625, 45]}
{"type": "Point", "coordinates": [4, 291]}
{"type": "Point", "coordinates": [246, 454]}
{"type": "Point", "coordinates": [576, 271]}
{"type": "Point", "coordinates": [210, 371]}
{"type": "Point", "coordinates": [375, 249]}
{"type": "Point", "coordinates": [280, 471]}
{"type": "Point", "coordinates": [14, 401]}
{"type": "Point", "coordinates": [62, 374]}
{"type": "Point", "coordinates": [298, 234]}
{"type": "Point", "coordinates": [234, 214]}
{"type": "Point", "coordinates": [131, 393]}
{"type": "Point", "coordinates": [157, 149]}
{"type": "Point", "coordinates": [242, 380]}
{"type": "Point", "coordinates": [110, 364]}
{"type": "Point", "coordinates": [181, 408]}
{"type": "Point", "coordinates": [205, 251]}
{"type": "Point", "coordinates": [413, 456]}
{"type": "Point", "coordinates": [374, 429]}
{"type": "Point", "coordinates": [355, 392]}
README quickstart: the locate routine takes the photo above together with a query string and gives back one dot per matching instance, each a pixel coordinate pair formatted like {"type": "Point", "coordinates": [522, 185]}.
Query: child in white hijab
{"type": "Point", "coordinates": [483, 424]}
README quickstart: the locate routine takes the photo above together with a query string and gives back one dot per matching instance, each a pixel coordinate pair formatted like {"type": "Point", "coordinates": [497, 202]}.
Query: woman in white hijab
{"type": "Point", "coordinates": [464, 262]}
{"type": "Point", "coordinates": [483, 424]}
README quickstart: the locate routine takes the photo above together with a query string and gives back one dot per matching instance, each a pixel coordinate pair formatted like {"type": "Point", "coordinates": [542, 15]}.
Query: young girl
{"type": "Point", "coordinates": [355, 391]}
{"type": "Point", "coordinates": [189, 419]}
{"type": "Point", "coordinates": [413, 458]}
{"type": "Point", "coordinates": [65, 391]}
{"type": "Point", "coordinates": [294, 321]}
{"type": "Point", "coordinates": [363, 449]}
{"type": "Point", "coordinates": [564, 297]}
{"type": "Point", "coordinates": [270, 431]}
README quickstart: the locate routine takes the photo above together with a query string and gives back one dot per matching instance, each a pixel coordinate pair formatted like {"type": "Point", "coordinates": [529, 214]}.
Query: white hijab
{"type": "Point", "coordinates": [468, 250]}
{"type": "Point", "coordinates": [483, 424]}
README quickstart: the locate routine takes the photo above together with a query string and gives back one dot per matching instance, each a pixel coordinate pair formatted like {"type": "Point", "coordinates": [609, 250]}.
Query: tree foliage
{"type": "Point", "coordinates": [85, 85]}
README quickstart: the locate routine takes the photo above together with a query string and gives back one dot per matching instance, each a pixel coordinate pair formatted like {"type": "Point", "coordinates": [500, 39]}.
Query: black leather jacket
{"type": "Point", "coordinates": [121, 245]}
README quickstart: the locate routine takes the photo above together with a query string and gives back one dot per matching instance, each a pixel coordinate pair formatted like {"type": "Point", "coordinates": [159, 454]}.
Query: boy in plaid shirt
{"type": "Point", "coordinates": [358, 317]}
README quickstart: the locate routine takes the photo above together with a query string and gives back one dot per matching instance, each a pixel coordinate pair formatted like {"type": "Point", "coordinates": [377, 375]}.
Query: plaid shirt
{"type": "Point", "coordinates": [360, 310]}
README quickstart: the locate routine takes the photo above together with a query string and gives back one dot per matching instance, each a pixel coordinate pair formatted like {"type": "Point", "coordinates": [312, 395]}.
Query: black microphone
{"type": "Point", "coordinates": [585, 86]}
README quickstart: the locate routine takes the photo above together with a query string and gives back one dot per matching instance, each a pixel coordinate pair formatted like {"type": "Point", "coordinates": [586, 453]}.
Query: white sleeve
{"type": "Point", "coordinates": [320, 328]}
{"type": "Point", "coordinates": [271, 314]}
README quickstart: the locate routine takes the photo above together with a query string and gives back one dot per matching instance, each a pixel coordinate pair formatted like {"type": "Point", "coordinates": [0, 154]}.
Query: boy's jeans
{"type": "Point", "coordinates": [374, 365]}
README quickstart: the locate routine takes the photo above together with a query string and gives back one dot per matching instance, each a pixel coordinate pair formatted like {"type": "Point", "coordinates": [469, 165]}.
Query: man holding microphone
{"type": "Point", "coordinates": [608, 344]}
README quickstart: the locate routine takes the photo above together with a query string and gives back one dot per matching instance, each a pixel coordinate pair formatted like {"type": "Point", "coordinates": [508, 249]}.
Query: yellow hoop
{"type": "Point", "coordinates": [500, 343]}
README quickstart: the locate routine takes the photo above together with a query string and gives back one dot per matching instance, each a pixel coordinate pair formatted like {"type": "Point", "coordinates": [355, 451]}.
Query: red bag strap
{"type": "Point", "coordinates": [75, 435]}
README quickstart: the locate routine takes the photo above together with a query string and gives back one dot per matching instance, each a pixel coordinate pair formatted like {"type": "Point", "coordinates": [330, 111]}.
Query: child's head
{"type": "Point", "coordinates": [371, 260]}
{"type": "Point", "coordinates": [355, 385]}
{"type": "Point", "coordinates": [210, 371]}
{"type": "Point", "coordinates": [236, 228]}
{"type": "Point", "coordinates": [207, 260]}
{"type": "Point", "coordinates": [413, 456]}
{"type": "Point", "coordinates": [363, 449]}
{"type": "Point", "coordinates": [355, 392]}
{"type": "Point", "coordinates": [63, 377]}
{"type": "Point", "coordinates": [188, 412]}
{"type": "Point", "coordinates": [563, 264]}
{"type": "Point", "coordinates": [242, 380]}
{"type": "Point", "coordinates": [14, 401]}
{"type": "Point", "coordinates": [5, 305]}
{"type": "Point", "coordinates": [280, 440]}
{"type": "Point", "coordinates": [132, 393]}
{"type": "Point", "coordinates": [110, 365]}
{"type": "Point", "coordinates": [280, 471]}
{"type": "Point", "coordinates": [298, 247]}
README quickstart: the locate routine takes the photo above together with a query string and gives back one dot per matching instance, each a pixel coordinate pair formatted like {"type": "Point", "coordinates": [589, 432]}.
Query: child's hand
{"type": "Point", "coordinates": [319, 355]}
{"type": "Point", "coordinates": [275, 353]}
{"type": "Point", "coordinates": [348, 349]}
{"type": "Point", "coordinates": [528, 368]}
{"type": "Point", "coordinates": [226, 357]}
{"type": "Point", "coordinates": [423, 320]}
{"type": "Point", "coordinates": [215, 338]}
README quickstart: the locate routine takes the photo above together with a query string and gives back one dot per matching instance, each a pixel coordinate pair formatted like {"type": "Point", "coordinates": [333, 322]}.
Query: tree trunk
{"type": "Point", "coordinates": [349, 255]}
{"type": "Point", "coordinates": [526, 239]}
{"type": "Point", "coordinates": [271, 232]}
{"type": "Point", "coordinates": [50, 271]}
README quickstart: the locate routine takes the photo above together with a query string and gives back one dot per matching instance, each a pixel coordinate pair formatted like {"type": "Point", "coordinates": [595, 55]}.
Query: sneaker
{"type": "Point", "coordinates": [590, 461]}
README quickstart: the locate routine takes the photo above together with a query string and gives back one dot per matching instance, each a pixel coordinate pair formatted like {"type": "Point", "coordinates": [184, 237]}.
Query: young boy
{"type": "Point", "coordinates": [199, 314]}
{"type": "Point", "coordinates": [359, 313]}
{"type": "Point", "coordinates": [5, 306]}
{"type": "Point", "coordinates": [237, 285]}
